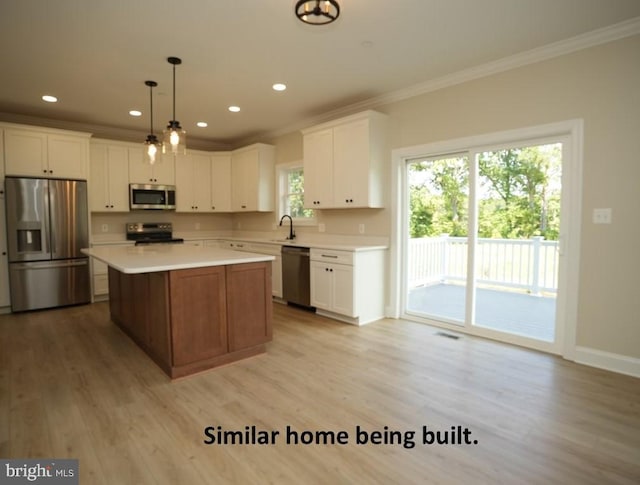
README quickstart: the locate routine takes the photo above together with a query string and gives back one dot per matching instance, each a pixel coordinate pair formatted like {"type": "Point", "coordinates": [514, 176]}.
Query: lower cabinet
{"type": "Point", "coordinates": [194, 319]}
{"type": "Point", "coordinates": [100, 277]}
{"type": "Point", "coordinates": [348, 285]}
{"type": "Point", "coordinates": [262, 248]}
{"type": "Point", "coordinates": [332, 287]}
{"type": "Point", "coordinates": [198, 314]}
{"type": "Point", "coordinates": [249, 304]}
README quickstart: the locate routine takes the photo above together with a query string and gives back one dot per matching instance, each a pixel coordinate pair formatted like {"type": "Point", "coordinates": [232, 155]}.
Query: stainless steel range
{"type": "Point", "coordinates": [152, 233]}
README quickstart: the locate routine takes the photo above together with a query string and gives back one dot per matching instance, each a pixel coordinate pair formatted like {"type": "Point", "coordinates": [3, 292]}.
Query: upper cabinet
{"type": "Point", "coordinates": [221, 182]}
{"type": "Point", "coordinates": [46, 153]}
{"type": "Point", "coordinates": [162, 172]}
{"type": "Point", "coordinates": [344, 162]}
{"type": "Point", "coordinates": [109, 180]}
{"type": "Point", "coordinates": [193, 182]}
{"type": "Point", "coordinates": [252, 178]}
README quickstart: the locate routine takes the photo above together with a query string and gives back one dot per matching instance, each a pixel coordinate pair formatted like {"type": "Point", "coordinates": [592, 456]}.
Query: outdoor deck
{"type": "Point", "coordinates": [506, 311]}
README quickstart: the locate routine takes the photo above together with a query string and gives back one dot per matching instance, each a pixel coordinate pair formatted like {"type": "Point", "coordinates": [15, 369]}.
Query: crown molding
{"type": "Point", "coordinates": [594, 38]}
{"type": "Point", "coordinates": [102, 131]}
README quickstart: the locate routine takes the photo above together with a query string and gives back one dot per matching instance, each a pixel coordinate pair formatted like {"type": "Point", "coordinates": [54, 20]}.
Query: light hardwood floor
{"type": "Point", "coordinates": [72, 385]}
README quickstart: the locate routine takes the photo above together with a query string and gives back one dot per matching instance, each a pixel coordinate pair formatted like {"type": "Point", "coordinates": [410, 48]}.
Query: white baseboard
{"type": "Point", "coordinates": [608, 361]}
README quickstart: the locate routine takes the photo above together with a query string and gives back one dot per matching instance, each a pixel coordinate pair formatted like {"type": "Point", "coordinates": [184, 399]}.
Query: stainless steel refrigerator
{"type": "Point", "coordinates": [47, 225]}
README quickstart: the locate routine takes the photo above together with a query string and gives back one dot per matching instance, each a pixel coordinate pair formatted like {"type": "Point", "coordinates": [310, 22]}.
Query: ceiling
{"type": "Point", "coordinates": [95, 55]}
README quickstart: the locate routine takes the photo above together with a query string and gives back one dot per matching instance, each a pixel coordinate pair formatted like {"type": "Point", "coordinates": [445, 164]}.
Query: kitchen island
{"type": "Point", "coordinates": [190, 308]}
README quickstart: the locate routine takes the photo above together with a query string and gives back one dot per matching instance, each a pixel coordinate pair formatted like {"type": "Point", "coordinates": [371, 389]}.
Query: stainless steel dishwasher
{"type": "Point", "coordinates": [295, 275]}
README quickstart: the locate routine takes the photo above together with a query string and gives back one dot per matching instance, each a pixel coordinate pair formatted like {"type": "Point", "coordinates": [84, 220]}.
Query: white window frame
{"type": "Point", "coordinates": [282, 171]}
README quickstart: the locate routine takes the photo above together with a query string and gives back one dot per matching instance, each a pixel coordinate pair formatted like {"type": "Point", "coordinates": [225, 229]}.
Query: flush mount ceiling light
{"type": "Point", "coordinates": [49, 99]}
{"type": "Point", "coordinates": [151, 145]}
{"type": "Point", "coordinates": [317, 12]}
{"type": "Point", "coordinates": [175, 138]}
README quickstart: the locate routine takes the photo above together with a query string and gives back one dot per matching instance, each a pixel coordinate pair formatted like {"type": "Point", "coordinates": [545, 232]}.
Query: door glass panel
{"type": "Point", "coordinates": [517, 253]}
{"type": "Point", "coordinates": [438, 198]}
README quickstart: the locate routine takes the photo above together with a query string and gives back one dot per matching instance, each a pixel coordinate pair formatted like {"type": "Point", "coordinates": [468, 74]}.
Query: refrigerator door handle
{"type": "Point", "coordinates": [48, 264]}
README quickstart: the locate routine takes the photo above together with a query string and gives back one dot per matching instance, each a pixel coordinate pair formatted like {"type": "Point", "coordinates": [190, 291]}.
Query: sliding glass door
{"type": "Point", "coordinates": [437, 237]}
{"type": "Point", "coordinates": [481, 248]}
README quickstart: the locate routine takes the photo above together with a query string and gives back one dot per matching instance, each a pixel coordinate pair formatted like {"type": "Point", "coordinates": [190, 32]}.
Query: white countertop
{"type": "Point", "coordinates": [340, 245]}
{"type": "Point", "coordinates": [167, 257]}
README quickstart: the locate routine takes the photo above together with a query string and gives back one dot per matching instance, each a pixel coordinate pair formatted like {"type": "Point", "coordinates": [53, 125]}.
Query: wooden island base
{"type": "Point", "coordinates": [190, 320]}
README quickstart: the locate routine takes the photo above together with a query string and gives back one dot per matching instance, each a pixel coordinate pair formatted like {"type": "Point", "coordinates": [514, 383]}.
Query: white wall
{"type": "Point", "coordinates": [600, 85]}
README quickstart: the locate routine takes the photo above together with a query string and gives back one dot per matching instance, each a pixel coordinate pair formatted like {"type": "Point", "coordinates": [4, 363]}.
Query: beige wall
{"type": "Point", "coordinates": [600, 85]}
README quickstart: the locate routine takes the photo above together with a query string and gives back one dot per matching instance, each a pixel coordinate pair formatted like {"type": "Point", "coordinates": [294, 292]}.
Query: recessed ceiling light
{"type": "Point", "coordinates": [202, 124]}
{"type": "Point", "coordinates": [49, 99]}
{"type": "Point", "coordinates": [234, 109]}
{"type": "Point", "coordinates": [135, 112]}
{"type": "Point", "coordinates": [279, 87]}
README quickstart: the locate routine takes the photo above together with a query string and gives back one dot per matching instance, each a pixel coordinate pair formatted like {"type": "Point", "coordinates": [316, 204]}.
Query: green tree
{"type": "Point", "coordinates": [518, 194]}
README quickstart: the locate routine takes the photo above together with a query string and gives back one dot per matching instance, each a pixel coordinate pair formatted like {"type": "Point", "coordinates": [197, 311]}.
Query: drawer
{"type": "Point", "coordinates": [332, 256]}
{"type": "Point", "coordinates": [273, 249]}
{"type": "Point", "coordinates": [238, 246]}
{"type": "Point", "coordinates": [100, 284]}
{"type": "Point", "coordinates": [99, 268]}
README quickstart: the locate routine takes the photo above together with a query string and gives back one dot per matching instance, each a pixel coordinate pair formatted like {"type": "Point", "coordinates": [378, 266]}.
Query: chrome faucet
{"type": "Point", "coordinates": [292, 235]}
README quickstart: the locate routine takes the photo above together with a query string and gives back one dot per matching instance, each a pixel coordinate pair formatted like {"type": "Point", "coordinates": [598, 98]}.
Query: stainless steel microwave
{"type": "Point", "coordinates": [151, 196]}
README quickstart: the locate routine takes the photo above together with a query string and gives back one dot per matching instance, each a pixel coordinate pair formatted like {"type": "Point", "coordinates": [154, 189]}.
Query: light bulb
{"type": "Point", "coordinates": [174, 139]}
{"type": "Point", "coordinates": [152, 150]}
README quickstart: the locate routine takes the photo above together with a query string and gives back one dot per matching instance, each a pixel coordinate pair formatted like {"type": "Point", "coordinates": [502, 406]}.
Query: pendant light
{"type": "Point", "coordinates": [317, 12]}
{"type": "Point", "coordinates": [175, 138]}
{"type": "Point", "coordinates": [152, 146]}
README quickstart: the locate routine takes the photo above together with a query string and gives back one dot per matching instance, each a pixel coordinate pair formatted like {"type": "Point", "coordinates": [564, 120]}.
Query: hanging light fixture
{"type": "Point", "coordinates": [317, 12]}
{"type": "Point", "coordinates": [152, 146]}
{"type": "Point", "coordinates": [175, 138]}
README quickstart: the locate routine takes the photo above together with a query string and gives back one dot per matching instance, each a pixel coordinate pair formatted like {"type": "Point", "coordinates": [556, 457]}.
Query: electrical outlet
{"type": "Point", "coordinates": [361, 228]}
{"type": "Point", "coordinates": [602, 216]}
{"type": "Point", "coordinates": [197, 226]}
{"type": "Point", "coordinates": [105, 227]}
{"type": "Point", "coordinates": [321, 227]}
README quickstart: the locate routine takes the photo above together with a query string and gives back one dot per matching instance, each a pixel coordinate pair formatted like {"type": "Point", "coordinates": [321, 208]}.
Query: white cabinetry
{"type": "Point", "coordinates": [344, 162]}
{"type": "Point", "coordinates": [46, 153]}
{"type": "Point", "coordinates": [162, 172]}
{"type": "Point", "coordinates": [100, 273]}
{"type": "Point", "coordinates": [252, 178]}
{"type": "Point", "coordinates": [276, 264]}
{"type": "Point", "coordinates": [109, 178]}
{"type": "Point", "coordinates": [4, 258]}
{"type": "Point", "coordinates": [348, 286]}
{"type": "Point", "coordinates": [221, 182]}
{"type": "Point", "coordinates": [318, 169]}
{"type": "Point", "coordinates": [193, 182]}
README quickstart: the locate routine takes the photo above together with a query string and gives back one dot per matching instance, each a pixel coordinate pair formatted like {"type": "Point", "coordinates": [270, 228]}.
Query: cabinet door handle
{"type": "Point", "coordinates": [332, 256]}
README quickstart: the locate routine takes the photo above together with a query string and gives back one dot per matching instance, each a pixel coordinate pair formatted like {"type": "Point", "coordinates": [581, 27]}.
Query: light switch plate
{"type": "Point", "coordinates": [602, 216]}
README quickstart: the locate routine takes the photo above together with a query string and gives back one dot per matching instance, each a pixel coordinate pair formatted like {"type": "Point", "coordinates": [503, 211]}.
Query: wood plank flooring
{"type": "Point", "coordinates": [72, 385]}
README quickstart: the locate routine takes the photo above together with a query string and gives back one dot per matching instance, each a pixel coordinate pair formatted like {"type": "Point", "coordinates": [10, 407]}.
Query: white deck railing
{"type": "Point", "coordinates": [530, 264]}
